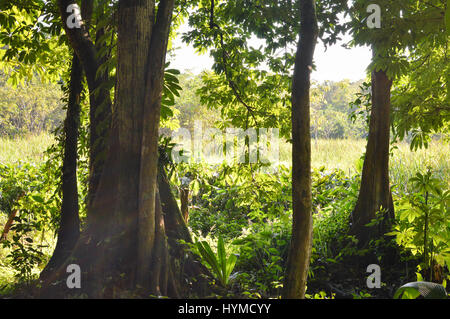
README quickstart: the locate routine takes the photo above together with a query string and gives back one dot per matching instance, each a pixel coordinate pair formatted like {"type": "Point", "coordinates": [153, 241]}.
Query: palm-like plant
{"type": "Point", "coordinates": [220, 264]}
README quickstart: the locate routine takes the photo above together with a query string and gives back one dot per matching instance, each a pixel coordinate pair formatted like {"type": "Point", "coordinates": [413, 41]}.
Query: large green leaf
{"type": "Point", "coordinates": [231, 262]}
{"type": "Point", "coordinates": [208, 256]}
{"type": "Point", "coordinates": [222, 257]}
{"type": "Point", "coordinates": [429, 290]}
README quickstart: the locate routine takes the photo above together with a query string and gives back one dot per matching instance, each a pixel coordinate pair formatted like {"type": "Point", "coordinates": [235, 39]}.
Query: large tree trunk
{"type": "Point", "coordinates": [374, 192]}
{"type": "Point", "coordinates": [151, 250]}
{"type": "Point", "coordinates": [69, 226]}
{"type": "Point", "coordinates": [300, 248]}
{"type": "Point", "coordinates": [124, 245]}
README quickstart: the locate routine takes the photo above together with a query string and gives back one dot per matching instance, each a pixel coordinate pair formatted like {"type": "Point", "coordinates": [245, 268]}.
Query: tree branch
{"type": "Point", "coordinates": [80, 40]}
{"type": "Point", "coordinates": [231, 83]}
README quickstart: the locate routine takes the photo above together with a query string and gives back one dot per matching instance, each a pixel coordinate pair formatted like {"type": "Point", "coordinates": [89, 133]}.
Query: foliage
{"type": "Point", "coordinates": [171, 90]}
{"type": "Point", "coordinates": [422, 220]}
{"type": "Point", "coordinates": [188, 105]}
{"type": "Point", "coordinates": [247, 207]}
{"type": "Point", "coordinates": [252, 209]}
{"type": "Point", "coordinates": [205, 99]}
{"type": "Point", "coordinates": [221, 265]}
{"type": "Point", "coordinates": [33, 190]}
{"type": "Point", "coordinates": [227, 199]}
{"type": "Point", "coordinates": [29, 108]}
{"type": "Point", "coordinates": [28, 190]}
{"type": "Point", "coordinates": [429, 290]}
{"type": "Point", "coordinates": [420, 101]}
{"type": "Point", "coordinates": [331, 110]}
{"type": "Point", "coordinates": [415, 56]}
{"type": "Point", "coordinates": [334, 195]}
{"type": "Point", "coordinates": [253, 46]}
{"type": "Point", "coordinates": [31, 42]}
{"type": "Point", "coordinates": [263, 250]}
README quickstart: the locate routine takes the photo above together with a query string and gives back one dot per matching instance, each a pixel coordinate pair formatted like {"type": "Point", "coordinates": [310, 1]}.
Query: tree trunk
{"type": "Point", "coordinates": [99, 93]}
{"type": "Point", "coordinates": [124, 244]}
{"type": "Point", "coordinates": [10, 220]}
{"type": "Point", "coordinates": [300, 247]}
{"type": "Point", "coordinates": [375, 192]}
{"type": "Point", "coordinates": [69, 226]}
{"type": "Point", "coordinates": [186, 264]}
{"type": "Point", "coordinates": [8, 225]}
{"type": "Point", "coordinates": [100, 114]}
{"type": "Point", "coordinates": [184, 199]}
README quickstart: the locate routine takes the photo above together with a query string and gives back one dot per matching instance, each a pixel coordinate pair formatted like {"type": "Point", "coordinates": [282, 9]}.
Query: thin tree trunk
{"type": "Point", "coordinates": [375, 192]}
{"type": "Point", "coordinates": [69, 226]}
{"type": "Point", "coordinates": [99, 93]}
{"type": "Point", "coordinates": [184, 199]}
{"type": "Point", "coordinates": [8, 225]}
{"type": "Point", "coordinates": [10, 220]}
{"type": "Point", "coordinates": [300, 247]}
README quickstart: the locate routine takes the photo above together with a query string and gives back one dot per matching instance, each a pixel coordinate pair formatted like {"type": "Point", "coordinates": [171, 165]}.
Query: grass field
{"type": "Point", "coordinates": [344, 154]}
{"type": "Point", "coordinates": [25, 149]}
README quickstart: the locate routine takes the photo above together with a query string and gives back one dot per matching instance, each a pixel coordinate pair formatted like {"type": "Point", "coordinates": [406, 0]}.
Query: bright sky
{"type": "Point", "coordinates": [335, 64]}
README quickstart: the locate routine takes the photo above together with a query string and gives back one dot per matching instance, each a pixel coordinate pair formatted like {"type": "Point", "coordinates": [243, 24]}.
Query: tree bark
{"type": "Point", "coordinates": [375, 192]}
{"type": "Point", "coordinates": [8, 224]}
{"type": "Point", "coordinates": [124, 245]}
{"type": "Point", "coordinates": [10, 220]}
{"type": "Point", "coordinates": [69, 226]}
{"type": "Point", "coordinates": [187, 265]}
{"type": "Point", "coordinates": [300, 247]}
{"type": "Point", "coordinates": [184, 199]}
{"type": "Point", "coordinates": [149, 141]}
{"type": "Point", "coordinates": [99, 94]}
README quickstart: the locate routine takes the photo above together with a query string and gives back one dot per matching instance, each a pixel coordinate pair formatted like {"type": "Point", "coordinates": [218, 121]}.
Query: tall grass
{"type": "Point", "coordinates": [24, 149]}
{"type": "Point", "coordinates": [345, 154]}
{"type": "Point", "coordinates": [405, 163]}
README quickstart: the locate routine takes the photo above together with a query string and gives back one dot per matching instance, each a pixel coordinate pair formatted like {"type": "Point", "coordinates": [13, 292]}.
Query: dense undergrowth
{"type": "Point", "coordinates": [252, 211]}
{"type": "Point", "coordinates": [247, 209]}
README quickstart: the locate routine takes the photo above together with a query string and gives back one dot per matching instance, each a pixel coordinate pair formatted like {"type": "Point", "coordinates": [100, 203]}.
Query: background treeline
{"type": "Point", "coordinates": [34, 107]}
{"type": "Point", "coordinates": [31, 107]}
{"type": "Point", "coordinates": [332, 114]}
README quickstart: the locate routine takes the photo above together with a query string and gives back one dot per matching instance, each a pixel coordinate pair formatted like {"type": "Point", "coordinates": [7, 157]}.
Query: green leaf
{"type": "Point", "coordinates": [429, 290]}
{"type": "Point", "coordinates": [222, 256]}
{"type": "Point", "coordinates": [38, 198]}
{"type": "Point", "coordinates": [208, 256]}
{"type": "Point", "coordinates": [230, 266]}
